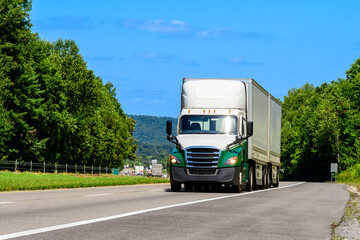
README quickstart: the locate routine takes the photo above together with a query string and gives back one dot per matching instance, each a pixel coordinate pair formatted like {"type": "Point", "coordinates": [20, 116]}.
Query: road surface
{"type": "Point", "coordinates": [295, 210]}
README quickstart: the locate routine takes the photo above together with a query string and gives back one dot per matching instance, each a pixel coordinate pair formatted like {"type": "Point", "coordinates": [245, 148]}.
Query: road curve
{"type": "Point", "coordinates": [293, 211]}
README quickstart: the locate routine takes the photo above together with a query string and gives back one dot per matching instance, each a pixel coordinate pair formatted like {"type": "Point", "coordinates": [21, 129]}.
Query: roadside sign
{"type": "Point", "coordinates": [157, 170]}
{"type": "Point", "coordinates": [333, 167]}
{"type": "Point", "coordinates": [115, 171]}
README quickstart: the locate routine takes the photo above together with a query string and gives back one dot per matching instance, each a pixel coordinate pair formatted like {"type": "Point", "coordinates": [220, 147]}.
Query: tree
{"type": "Point", "coordinates": [52, 106]}
{"type": "Point", "coordinates": [321, 126]}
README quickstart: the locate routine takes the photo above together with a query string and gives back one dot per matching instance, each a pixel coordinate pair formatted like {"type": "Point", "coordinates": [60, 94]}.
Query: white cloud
{"type": "Point", "coordinates": [239, 60]}
{"type": "Point", "coordinates": [160, 58]}
{"type": "Point", "coordinates": [154, 57]}
{"type": "Point", "coordinates": [161, 26]}
{"type": "Point", "coordinates": [213, 33]}
{"type": "Point", "coordinates": [177, 28]}
{"type": "Point", "coordinates": [65, 22]}
{"type": "Point", "coordinates": [236, 60]}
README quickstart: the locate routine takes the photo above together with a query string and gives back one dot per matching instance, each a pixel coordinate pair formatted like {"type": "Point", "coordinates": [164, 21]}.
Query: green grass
{"type": "Point", "coordinates": [37, 181]}
{"type": "Point", "coordinates": [352, 210]}
{"type": "Point", "coordinates": [351, 175]}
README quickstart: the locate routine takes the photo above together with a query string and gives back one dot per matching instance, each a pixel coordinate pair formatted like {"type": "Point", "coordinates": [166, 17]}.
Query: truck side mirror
{"type": "Point", "coordinates": [168, 127]}
{"type": "Point", "coordinates": [250, 126]}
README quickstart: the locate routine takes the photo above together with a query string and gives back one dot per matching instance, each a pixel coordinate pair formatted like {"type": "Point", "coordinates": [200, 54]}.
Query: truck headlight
{"type": "Point", "coordinates": [174, 160]}
{"type": "Point", "coordinates": [231, 161]}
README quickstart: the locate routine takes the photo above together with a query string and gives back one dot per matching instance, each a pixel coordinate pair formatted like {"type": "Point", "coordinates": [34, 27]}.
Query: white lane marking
{"type": "Point", "coordinates": [154, 190]}
{"type": "Point", "coordinates": [6, 202]}
{"type": "Point", "coordinates": [99, 195]}
{"type": "Point", "coordinates": [96, 220]}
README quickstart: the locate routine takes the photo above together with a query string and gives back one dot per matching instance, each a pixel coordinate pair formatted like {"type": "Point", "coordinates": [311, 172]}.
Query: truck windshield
{"type": "Point", "coordinates": [211, 124]}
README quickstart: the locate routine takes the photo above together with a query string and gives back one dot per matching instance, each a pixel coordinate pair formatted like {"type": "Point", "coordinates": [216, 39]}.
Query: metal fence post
{"type": "Point", "coordinates": [106, 170]}
{"type": "Point", "coordinates": [55, 167]}
{"type": "Point", "coordinates": [30, 166]}
{"type": "Point", "coordinates": [15, 165]}
{"type": "Point", "coordinates": [44, 166]}
{"type": "Point", "coordinates": [84, 169]}
{"type": "Point", "coordinates": [75, 168]}
{"type": "Point", "coordinates": [99, 170]}
{"type": "Point", "coordinates": [92, 170]}
{"type": "Point", "coordinates": [66, 168]}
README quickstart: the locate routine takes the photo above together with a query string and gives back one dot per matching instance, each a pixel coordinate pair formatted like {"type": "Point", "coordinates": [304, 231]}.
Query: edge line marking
{"type": "Point", "coordinates": [99, 195]}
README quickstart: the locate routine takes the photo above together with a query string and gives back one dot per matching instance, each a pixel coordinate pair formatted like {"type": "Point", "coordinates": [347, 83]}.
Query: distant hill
{"type": "Point", "coordinates": [150, 132]}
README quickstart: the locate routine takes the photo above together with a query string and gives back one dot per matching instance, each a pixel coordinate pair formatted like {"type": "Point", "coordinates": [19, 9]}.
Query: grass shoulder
{"type": "Point", "coordinates": [349, 226]}
{"type": "Point", "coordinates": [10, 181]}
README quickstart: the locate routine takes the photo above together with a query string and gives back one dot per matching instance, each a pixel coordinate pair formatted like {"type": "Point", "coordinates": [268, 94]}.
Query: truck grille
{"type": "Point", "coordinates": [199, 171]}
{"type": "Point", "coordinates": [202, 157]}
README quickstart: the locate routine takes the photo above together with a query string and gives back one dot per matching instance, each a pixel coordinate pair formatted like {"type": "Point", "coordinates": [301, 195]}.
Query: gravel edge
{"type": "Point", "coordinates": [349, 226]}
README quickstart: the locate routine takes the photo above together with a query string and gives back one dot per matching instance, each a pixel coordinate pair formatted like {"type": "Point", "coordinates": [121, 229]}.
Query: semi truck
{"type": "Point", "coordinates": [228, 135]}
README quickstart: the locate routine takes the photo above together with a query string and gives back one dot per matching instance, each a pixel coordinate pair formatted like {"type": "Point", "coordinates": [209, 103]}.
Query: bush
{"type": "Point", "coordinates": [350, 175]}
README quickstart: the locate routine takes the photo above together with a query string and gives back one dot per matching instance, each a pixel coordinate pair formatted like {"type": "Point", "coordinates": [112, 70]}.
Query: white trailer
{"type": "Point", "coordinates": [139, 170]}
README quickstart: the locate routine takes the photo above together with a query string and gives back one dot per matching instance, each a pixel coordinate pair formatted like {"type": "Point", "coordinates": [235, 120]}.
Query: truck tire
{"type": "Point", "coordinates": [250, 184]}
{"type": "Point", "coordinates": [277, 178]}
{"type": "Point", "coordinates": [263, 181]}
{"type": "Point", "coordinates": [175, 187]}
{"type": "Point", "coordinates": [267, 178]}
{"type": "Point", "coordinates": [238, 188]}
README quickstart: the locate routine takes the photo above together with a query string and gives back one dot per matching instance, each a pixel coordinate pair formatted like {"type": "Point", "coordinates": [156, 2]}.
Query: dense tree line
{"type": "Point", "coordinates": [52, 107]}
{"type": "Point", "coordinates": [150, 132]}
{"type": "Point", "coordinates": [321, 125]}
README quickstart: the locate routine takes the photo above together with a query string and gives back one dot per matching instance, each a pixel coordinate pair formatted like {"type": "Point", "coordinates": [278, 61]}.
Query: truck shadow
{"type": "Point", "coordinates": [206, 189]}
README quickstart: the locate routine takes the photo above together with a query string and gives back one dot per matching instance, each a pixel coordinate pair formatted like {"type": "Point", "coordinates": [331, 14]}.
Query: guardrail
{"type": "Point", "coordinates": [44, 167]}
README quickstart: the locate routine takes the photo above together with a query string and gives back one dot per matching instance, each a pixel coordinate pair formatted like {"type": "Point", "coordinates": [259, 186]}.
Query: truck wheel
{"type": "Point", "coordinates": [250, 184]}
{"type": "Point", "coordinates": [175, 187]}
{"type": "Point", "coordinates": [270, 176]}
{"type": "Point", "coordinates": [237, 188]}
{"type": "Point", "coordinates": [263, 182]}
{"type": "Point", "coordinates": [267, 178]}
{"type": "Point", "coordinates": [277, 178]}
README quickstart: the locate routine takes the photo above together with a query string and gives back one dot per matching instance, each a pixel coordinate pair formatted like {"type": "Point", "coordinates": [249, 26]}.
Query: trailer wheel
{"type": "Point", "coordinates": [250, 184]}
{"type": "Point", "coordinates": [271, 182]}
{"type": "Point", "coordinates": [277, 178]}
{"type": "Point", "coordinates": [263, 185]}
{"type": "Point", "coordinates": [267, 177]}
{"type": "Point", "coordinates": [175, 187]}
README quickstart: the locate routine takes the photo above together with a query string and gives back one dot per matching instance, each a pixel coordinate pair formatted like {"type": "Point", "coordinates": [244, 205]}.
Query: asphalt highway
{"type": "Point", "coordinates": [295, 210]}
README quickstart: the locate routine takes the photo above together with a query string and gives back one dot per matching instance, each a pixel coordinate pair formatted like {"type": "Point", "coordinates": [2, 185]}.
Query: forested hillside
{"type": "Point", "coordinates": [150, 132]}
{"type": "Point", "coordinates": [321, 125]}
{"type": "Point", "coordinates": [52, 107]}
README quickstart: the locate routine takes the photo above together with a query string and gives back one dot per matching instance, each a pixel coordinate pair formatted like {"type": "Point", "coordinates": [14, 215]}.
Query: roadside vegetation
{"type": "Point", "coordinates": [349, 226]}
{"type": "Point", "coordinates": [320, 126]}
{"type": "Point", "coordinates": [151, 141]}
{"type": "Point", "coordinates": [350, 176]}
{"type": "Point", "coordinates": [52, 107]}
{"type": "Point", "coordinates": [10, 181]}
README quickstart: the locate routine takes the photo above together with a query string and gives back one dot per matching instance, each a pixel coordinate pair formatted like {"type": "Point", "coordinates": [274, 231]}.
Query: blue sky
{"type": "Point", "coordinates": [145, 47]}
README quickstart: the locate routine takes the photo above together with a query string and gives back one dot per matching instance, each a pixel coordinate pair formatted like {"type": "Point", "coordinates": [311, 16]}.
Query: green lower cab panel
{"type": "Point", "coordinates": [231, 158]}
{"type": "Point", "coordinates": [177, 158]}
